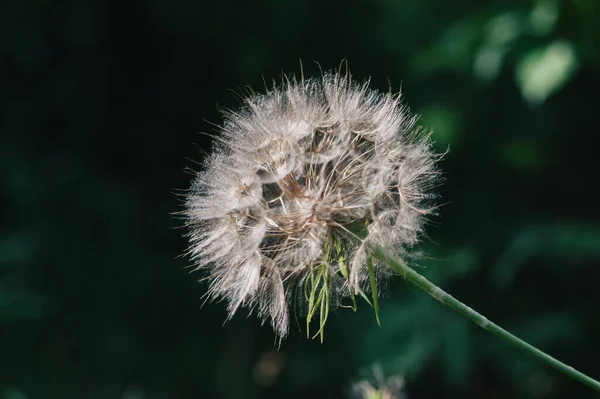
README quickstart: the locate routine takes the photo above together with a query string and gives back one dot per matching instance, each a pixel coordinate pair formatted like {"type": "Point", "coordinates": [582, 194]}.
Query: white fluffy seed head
{"type": "Point", "coordinates": [300, 180]}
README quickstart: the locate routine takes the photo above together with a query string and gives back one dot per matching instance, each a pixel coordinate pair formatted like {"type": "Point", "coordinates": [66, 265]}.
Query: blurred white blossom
{"type": "Point", "coordinates": [301, 178]}
{"type": "Point", "coordinates": [379, 387]}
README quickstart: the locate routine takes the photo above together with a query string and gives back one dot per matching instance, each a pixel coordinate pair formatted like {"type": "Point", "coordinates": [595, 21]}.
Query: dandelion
{"type": "Point", "coordinates": [378, 386]}
{"type": "Point", "coordinates": [301, 180]}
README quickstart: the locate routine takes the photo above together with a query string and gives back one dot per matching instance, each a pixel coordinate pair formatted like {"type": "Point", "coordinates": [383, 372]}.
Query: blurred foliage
{"type": "Point", "coordinates": [102, 102]}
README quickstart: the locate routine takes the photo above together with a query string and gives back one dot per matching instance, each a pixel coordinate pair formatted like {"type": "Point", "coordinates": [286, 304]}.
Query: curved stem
{"type": "Point", "coordinates": [477, 318]}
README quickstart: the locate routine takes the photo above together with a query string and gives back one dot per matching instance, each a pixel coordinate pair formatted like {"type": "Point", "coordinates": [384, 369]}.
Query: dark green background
{"type": "Point", "coordinates": [101, 106]}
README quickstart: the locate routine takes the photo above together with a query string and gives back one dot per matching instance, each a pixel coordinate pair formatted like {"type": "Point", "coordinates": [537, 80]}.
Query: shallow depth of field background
{"type": "Point", "coordinates": [102, 103]}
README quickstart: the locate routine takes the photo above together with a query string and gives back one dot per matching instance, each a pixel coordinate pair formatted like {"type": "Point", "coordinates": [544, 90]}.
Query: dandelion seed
{"type": "Point", "coordinates": [301, 179]}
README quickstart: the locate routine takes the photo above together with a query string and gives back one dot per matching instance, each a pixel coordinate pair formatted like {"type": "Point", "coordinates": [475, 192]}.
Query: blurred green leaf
{"type": "Point", "coordinates": [543, 71]}
{"type": "Point", "coordinates": [556, 242]}
{"type": "Point", "coordinates": [544, 16]}
{"type": "Point", "coordinates": [502, 32]}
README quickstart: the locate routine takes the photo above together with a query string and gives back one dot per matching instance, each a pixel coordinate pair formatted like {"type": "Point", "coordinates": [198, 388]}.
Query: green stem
{"type": "Point", "coordinates": [477, 318]}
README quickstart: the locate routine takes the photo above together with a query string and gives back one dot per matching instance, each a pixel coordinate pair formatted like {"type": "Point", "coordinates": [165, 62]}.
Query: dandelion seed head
{"type": "Point", "coordinates": [301, 179]}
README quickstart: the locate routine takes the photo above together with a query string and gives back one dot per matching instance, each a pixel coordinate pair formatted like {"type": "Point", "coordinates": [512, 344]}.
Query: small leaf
{"type": "Point", "coordinates": [373, 286]}
{"type": "Point", "coordinates": [544, 71]}
{"type": "Point", "coordinates": [341, 259]}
